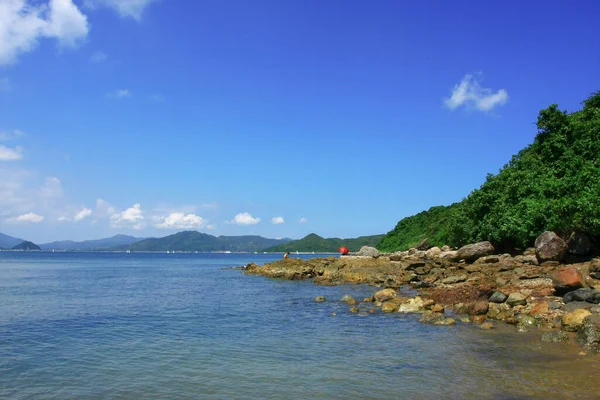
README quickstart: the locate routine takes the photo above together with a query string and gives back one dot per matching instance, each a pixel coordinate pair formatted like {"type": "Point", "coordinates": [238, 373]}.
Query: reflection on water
{"type": "Point", "coordinates": [132, 326]}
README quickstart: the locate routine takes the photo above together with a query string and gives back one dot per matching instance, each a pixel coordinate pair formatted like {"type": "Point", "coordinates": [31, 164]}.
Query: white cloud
{"type": "Point", "coordinates": [120, 94]}
{"type": "Point", "coordinates": [244, 219]}
{"type": "Point", "coordinates": [51, 189]}
{"type": "Point", "coordinates": [98, 57]}
{"type": "Point", "coordinates": [125, 8]}
{"type": "Point", "coordinates": [210, 227]}
{"type": "Point", "coordinates": [11, 135]}
{"type": "Point", "coordinates": [303, 220]}
{"type": "Point", "coordinates": [63, 218]}
{"type": "Point", "coordinates": [132, 217]}
{"type": "Point", "coordinates": [178, 220]}
{"type": "Point", "coordinates": [277, 220]}
{"type": "Point", "coordinates": [471, 94]}
{"type": "Point", "coordinates": [24, 22]}
{"type": "Point", "coordinates": [84, 213]}
{"type": "Point", "coordinates": [30, 217]}
{"type": "Point", "coordinates": [9, 154]}
{"type": "Point", "coordinates": [4, 84]}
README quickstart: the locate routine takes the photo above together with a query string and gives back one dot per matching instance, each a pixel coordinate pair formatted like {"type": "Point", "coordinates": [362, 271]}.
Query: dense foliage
{"type": "Point", "coordinates": [196, 241]}
{"type": "Point", "coordinates": [316, 243]}
{"type": "Point", "coordinates": [552, 184]}
{"type": "Point", "coordinates": [410, 231]}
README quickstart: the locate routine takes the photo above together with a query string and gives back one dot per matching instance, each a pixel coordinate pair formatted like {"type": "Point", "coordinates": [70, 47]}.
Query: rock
{"type": "Point", "coordinates": [424, 245]}
{"type": "Point", "coordinates": [480, 307]}
{"type": "Point", "coordinates": [540, 308]}
{"type": "Point", "coordinates": [423, 284]}
{"type": "Point", "coordinates": [498, 297]}
{"type": "Point", "coordinates": [516, 299]}
{"type": "Point", "coordinates": [454, 279]}
{"type": "Point", "coordinates": [550, 247]}
{"type": "Point", "coordinates": [461, 308]}
{"type": "Point", "coordinates": [428, 303]}
{"type": "Point", "coordinates": [354, 310]}
{"type": "Point", "coordinates": [554, 305]}
{"type": "Point", "coordinates": [414, 305]}
{"type": "Point", "coordinates": [320, 298]}
{"type": "Point", "coordinates": [368, 251]}
{"type": "Point", "coordinates": [377, 303]}
{"type": "Point", "coordinates": [449, 255]}
{"type": "Point", "coordinates": [555, 337]}
{"type": "Point", "coordinates": [438, 308]}
{"type": "Point", "coordinates": [589, 295]}
{"type": "Point", "coordinates": [368, 299]}
{"type": "Point", "coordinates": [389, 306]}
{"type": "Point", "coordinates": [349, 300]}
{"type": "Point", "coordinates": [486, 325]}
{"type": "Point", "coordinates": [446, 248]}
{"type": "Point", "coordinates": [412, 265]}
{"type": "Point", "coordinates": [522, 328]}
{"type": "Point", "coordinates": [333, 314]}
{"type": "Point", "coordinates": [530, 251]}
{"type": "Point", "coordinates": [501, 281]}
{"type": "Point", "coordinates": [531, 260]}
{"type": "Point", "coordinates": [472, 252]}
{"type": "Point", "coordinates": [526, 320]}
{"type": "Point", "coordinates": [478, 319]}
{"type": "Point", "coordinates": [576, 305]}
{"type": "Point", "coordinates": [384, 294]}
{"type": "Point", "coordinates": [595, 269]}
{"type": "Point", "coordinates": [566, 279]}
{"type": "Point", "coordinates": [430, 317]}
{"type": "Point", "coordinates": [579, 244]}
{"type": "Point", "coordinates": [433, 252]}
{"type": "Point", "coordinates": [572, 321]}
{"type": "Point", "coordinates": [445, 321]}
{"type": "Point", "coordinates": [589, 333]}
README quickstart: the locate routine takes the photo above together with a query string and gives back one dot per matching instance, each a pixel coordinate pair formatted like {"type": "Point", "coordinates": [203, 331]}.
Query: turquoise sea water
{"type": "Point", "coordinates": [183, 326]}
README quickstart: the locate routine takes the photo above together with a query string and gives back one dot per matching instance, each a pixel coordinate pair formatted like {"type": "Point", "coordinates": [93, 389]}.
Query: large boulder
{"type": "Point", "coordinates": [588, 295]}
{"type": "Point", "coordinates": [472, 252]}
{"type": "Point", "coordinates": [368, 251]}
{"type": "Point", "coordinates": [413, 305]}
{"type": "Point", "coordinates": [579, 244]}
{"type": "Point", "coordinates": [572, 321]}
{"type": "Point", "coordinates": [433, 252]}
{"type": "Point", "coordinates": [550, 247]}
{"type": "Point", "coordinates": [567, 279]}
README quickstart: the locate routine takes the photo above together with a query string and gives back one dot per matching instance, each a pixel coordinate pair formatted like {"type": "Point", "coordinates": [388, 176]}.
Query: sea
{"type": "Point", "coordinates": [191, 326]}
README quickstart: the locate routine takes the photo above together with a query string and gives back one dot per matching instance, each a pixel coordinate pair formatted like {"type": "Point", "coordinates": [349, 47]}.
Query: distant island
{"type": "Point", "coordinates": [316, 243]}
{"type": "Point", "coordinates": [26, 246]}
{"type": "Point", "coordinates": [90, 245]}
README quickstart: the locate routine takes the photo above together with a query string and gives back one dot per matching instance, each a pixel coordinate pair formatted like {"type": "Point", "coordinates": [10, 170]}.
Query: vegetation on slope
{"type": "Point", "coordinates": [552, 184]}
{"type": "Point", "coordinates": [26, 246]}
{"type": "Point", "coordinates": [196, 241]}
{"type": "Point", "coordinates": [316, 243]}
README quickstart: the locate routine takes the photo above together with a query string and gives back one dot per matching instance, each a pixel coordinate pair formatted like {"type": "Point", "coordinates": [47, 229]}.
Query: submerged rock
{"type": "Point", "coordinates": [349, 300]}
{"type": "Point", "coordinates": [320, 298]}
{"type": "Point", "coordinates": [555, 337]}
{"type": "Point", "coordinates": [389, 306]}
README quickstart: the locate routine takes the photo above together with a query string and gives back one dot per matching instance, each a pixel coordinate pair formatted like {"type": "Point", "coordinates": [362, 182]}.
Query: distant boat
{"type": "Point", "coordinates": [128, 251]}
{"type": "Point", "coordinates": [297, 252]}
{"type": "Point", "coordinates": [167, 251]}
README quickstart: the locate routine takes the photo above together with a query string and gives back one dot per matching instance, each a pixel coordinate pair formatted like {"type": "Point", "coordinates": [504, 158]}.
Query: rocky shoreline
{"type": "Point", "coordinates": [545, 287]}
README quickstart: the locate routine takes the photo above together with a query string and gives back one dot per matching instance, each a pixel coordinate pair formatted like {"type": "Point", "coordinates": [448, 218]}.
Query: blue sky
{"type": "Point", "coordinates": [277, 118]}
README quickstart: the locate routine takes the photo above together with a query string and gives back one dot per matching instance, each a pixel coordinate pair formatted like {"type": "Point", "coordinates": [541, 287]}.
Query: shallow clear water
{"type": "Point", "coordinates": [132, 326]}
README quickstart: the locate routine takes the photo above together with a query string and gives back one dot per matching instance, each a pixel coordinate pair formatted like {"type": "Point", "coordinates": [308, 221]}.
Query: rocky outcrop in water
{"type": "Point", "coordinates": [517, 290]}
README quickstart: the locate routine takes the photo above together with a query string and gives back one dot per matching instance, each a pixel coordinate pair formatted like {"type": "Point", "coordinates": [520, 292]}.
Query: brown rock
{"type": "Point", "coordinates": [438, 308]}
{"type": "Point", "coordinates": [487, 325]}
{"type": "Point", "coordinates": [572, 321]}
{"type": "Point", "coordinates": [478, 318]}
{"type": "Point", "coordinates": [433, 252]}
{"type": "Point", "coordinates": [389, 306]}
{"type": "Point", "coordinates": [480, 307]}
{"type": "Point", "coordinates": [566, 279]}
{"type": "Point", "coordinates": [354, 310]}
{"type": "Point", "coordinates": [550, 247]}
{"type": "Point", "coordinates": [384, 295]}
{"type": "Point", "coordinates": [540, 308]}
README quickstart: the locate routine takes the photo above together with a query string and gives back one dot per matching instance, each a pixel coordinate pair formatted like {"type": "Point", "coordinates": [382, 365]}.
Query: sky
{"type": "Point", "coordinates": [268, 117]}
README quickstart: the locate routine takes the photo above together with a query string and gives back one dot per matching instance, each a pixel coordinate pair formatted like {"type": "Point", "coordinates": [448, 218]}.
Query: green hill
{"type": "Point", "coordinates": [26, 246]}
{"type": "Point", "coordinates": [196, 241]}
{"type": "Point", "coordinates": [96, 244]}
{"type": "Point", "coordinates": [316, 243]}
{"type": "Point", "coordinates": [552, 184]}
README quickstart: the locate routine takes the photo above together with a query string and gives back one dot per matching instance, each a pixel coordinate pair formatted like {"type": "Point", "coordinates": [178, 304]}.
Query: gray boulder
{"type": "Point", "coordinates": [498, 297]}
{"type": "Point", "coordinates": [589, 333]}
{"type": "Point", "coordinates": [588, 295]}
{"type": "Point", "coordinates": [472, 252]}
{"type": "Point", "coordinates": [595, 269]}
{"type": "Point", "coordinates": [550, 247]}
{"type": "Point", "coordinates": [367, 251]}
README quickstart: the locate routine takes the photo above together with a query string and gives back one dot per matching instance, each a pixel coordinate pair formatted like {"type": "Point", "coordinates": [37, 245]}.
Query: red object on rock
{"type": "Point", "coordinates": [344, 250]}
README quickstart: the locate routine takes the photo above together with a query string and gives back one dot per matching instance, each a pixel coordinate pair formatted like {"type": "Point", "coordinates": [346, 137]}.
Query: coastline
{"type": "Point", "coordinates": [559, 300]}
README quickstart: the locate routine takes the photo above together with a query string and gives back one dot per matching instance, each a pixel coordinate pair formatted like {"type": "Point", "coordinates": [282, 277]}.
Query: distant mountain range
{"type": "Point", "coordinates": [98, 244]}
{"type": "Point", "coordinates": [8, 242]}
{"type": "Point", "coordinates": [26, 246]}
{"type": "Point", "coordinates": [196, 241]}
{"type": "Point", "coordinates": [316, 243]}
